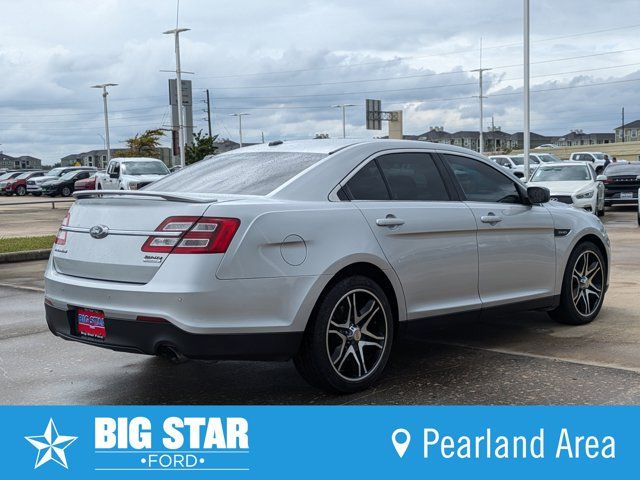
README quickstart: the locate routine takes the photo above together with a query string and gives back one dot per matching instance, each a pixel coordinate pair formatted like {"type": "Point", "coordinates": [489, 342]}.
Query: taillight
{"type": "Point", "coordinates": [61, 237]}
{"type": "Point", "coordinates": [199, 235]}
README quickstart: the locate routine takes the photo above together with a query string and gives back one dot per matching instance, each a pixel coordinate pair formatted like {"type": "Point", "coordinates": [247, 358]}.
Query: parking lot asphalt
{"type": "Point", "coordinates": [522, 358]}
{"type": "Point", "coordinates": [33, 218]}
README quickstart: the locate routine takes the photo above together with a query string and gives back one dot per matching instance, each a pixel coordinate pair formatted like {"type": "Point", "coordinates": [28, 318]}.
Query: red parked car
{"type": "Point", "coordinates": [18, 184]}
{"type": "Point", "coordinates": [86, 183]}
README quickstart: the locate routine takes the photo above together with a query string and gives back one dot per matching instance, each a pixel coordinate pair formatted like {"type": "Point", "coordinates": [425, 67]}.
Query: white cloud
{"type": "Point", "coordinates": [51, 52]}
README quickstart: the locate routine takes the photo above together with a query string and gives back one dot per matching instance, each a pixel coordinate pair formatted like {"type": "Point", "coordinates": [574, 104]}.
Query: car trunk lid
{"type": "Point", "coordinates": [103, 234]}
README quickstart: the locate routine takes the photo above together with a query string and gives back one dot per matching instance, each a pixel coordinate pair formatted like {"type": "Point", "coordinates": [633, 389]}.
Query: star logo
{"type": "Point", "coordinates": [51, 446]}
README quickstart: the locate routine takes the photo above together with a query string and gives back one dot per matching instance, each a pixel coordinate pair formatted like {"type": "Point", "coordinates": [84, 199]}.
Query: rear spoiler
{"type": "Point", "coordinates": [172, 197]}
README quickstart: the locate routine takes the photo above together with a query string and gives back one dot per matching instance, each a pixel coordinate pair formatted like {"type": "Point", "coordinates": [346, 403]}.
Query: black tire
{"type": "Point", "coordinates": [314, 360]}
{"type": "Point", "coordinates": [99, 187]}
{"type": "Point", "coordinates": [639, 218]}
{"type": "Point", "coordinates": [36, 194]}
{"type": "Point", "coordinates": [578, 312]}
{"type": "Point", "coordinates": [66, 191]}
{"type": "Point", "coordinates": [601, 212]}
{"type": "Point", "coordinates": [21, 191]}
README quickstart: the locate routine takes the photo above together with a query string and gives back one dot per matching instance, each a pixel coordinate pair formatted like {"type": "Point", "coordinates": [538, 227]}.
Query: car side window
{"type": "Point", "coordinates": [413, 176]}
{"type": "Point", "coordinates": [482, 183]}
{"type": "Point", "coordinates": [367, 184]}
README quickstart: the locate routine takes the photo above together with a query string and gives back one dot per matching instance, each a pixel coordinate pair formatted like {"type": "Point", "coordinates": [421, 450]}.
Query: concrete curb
{"type": "Point", "coordinates": [25, 256]}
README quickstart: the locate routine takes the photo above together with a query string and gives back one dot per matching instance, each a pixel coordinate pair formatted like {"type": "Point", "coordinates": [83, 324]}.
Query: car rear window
{"type": "Point", "coordinates": [623, 169]}
{"type": "Point", "coordinates": [247, 173]}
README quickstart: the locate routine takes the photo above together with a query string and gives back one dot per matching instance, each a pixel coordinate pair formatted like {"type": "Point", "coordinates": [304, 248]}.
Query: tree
{"type": "Point", "coordinates": [143, 145]}
{"type": "Point", "coordinates": [203, 145]}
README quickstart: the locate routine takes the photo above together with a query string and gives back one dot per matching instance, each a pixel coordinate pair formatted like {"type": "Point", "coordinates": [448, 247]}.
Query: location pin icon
{"type": "Point", "coordinates": [401, 439]}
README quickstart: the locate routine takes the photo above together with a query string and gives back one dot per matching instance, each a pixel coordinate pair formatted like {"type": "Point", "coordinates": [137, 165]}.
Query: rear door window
{"type": "Point", "coordinates": [413, 176]}
{"type": "Point", "coordinates": [367, 184]}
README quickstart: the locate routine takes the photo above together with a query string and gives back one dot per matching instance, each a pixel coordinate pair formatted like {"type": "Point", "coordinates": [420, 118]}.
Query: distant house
{"type": "Point", "coordinates": [631, 132]}
{"type": "Point", "coordinates": [535, 140]}
{"type": "Point", "coordinates": [19, 163]}
{"type": "Point", "coordinates": [436, 135]}
{"type": "Point", "coordinates": [578, 137]}
{"type": "Point", "coordinates": [495, 140]}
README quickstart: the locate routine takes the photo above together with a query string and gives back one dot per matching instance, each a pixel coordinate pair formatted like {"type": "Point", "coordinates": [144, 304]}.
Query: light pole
{"type": "Point", "coordinates": [525, 134]}
{"type": "Point", "coordinates": [344, 116]}
{"type": "Point", "coordinates": [481, 97]}
{"type": "Point", "coordinates": [239, 115]}
{"type": "Point", "coordinates": [176, 33]}
{"type": "Point", "coordinates": [104, 86]}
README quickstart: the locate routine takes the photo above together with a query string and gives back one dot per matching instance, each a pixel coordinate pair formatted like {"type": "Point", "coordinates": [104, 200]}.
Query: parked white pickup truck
{"type": "Point", "coordinates": [597, 159]}
{"type": "Point", "coordinates": [130, 173]}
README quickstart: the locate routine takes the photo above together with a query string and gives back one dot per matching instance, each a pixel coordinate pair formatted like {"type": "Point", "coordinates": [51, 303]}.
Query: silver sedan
{"type": "Point", "coordinates": [317, 251]}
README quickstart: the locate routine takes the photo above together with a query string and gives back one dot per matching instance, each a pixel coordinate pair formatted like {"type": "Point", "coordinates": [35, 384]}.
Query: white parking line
{"type": "Point", "coordinates": [539, 356]}
{"type": "Point", "coordinates": [22, 287]}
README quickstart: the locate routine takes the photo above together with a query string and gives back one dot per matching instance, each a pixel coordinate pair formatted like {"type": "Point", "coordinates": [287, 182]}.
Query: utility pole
{"type": "Point", "coordinates": [262, 137]}
{"type": "Point", "coordinates": [181, 135]}
{"type": "Point", "coordinates": [344, 116]}
{"type": "Point", "coordinates": [104, 86]}
{"type": "Point", "coordinates": [527, 118]}
{"type": "Point", "coordinates": [623, 124]}
{"type": "Point", "coordinates": [239, 115]}
{"type": "Point", "coordinates": [209, 112]}
{"type": "Point", "coordinates": [481, 97]}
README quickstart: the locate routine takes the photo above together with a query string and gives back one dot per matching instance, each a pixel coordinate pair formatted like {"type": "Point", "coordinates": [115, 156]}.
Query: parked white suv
{"type": "Point", "coordinates": [515, 163]}
{"type": "Point", "coordinates": [130, 173]}
{"type": "Point", "coordinates": [598, 159]}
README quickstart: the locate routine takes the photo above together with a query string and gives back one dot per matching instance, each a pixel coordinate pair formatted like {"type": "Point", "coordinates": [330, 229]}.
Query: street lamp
{"type": "Point", "coordinates": [239, 115]}
{"type": "Point", "coordinates": [527, 118]}
{"type": "Point", "coordinates": [176, 33]}
{"type": "Point", "coordinates": [104, 86]}
{"type": "Point", "coordinates": [344, 106]}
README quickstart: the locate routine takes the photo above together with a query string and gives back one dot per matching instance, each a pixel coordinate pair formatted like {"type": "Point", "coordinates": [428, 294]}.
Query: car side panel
{"type": "Point", "coordinates": [580, 224]}
{"type": "Point", "coordinates": [293, 239]}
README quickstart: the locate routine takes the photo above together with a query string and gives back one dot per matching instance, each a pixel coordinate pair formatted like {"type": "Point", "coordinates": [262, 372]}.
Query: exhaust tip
{"type": "Point", "coordinates": [170, 353]}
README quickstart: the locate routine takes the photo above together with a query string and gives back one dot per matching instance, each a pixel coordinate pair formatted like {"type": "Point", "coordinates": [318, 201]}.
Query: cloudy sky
{"type": "Point", "coordinates": [287, 61]}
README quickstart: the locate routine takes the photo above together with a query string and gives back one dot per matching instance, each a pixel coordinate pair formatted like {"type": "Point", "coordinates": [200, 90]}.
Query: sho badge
{"type": "Point", "coordinates": [99, 231]}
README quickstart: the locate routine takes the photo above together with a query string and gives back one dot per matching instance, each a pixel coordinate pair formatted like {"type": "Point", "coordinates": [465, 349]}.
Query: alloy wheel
{"type": "Point", "coordinates": [587, 281]}
{"type": "Point", "coordinates": [357, 334]}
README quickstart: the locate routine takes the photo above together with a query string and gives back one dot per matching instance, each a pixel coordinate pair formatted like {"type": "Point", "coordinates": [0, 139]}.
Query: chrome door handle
{"type": "Point", "coordinates": [490, 218]}
{"type": "Point", "coordinates": [389, 221]}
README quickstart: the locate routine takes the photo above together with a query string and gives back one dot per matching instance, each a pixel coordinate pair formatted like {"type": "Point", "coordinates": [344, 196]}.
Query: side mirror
{"type": "Point", "coordinates": [538, 194]}
{"type": "Point", "coordinates": [601, 178]}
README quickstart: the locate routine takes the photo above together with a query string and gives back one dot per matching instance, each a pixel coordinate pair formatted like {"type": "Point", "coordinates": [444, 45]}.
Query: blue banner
{"type": "Point", "coordinates": [229, 442]}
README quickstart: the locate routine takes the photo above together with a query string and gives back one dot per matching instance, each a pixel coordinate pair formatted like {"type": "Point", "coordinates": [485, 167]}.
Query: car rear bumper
{"type": "Point", "coordinates": [154, 338]}
{"type": "Point", "coordinates": [193, 299]}
{"type": "Point", "coordinates": [614, 197]}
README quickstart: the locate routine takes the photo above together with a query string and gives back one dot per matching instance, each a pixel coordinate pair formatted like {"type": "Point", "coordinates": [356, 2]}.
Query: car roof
{"type": "Point", "coordinates": [564, 163]}
{"type": "Point", "coordinates": [137, 158]}
{"type": "Point", "coordinates": [328, 146]}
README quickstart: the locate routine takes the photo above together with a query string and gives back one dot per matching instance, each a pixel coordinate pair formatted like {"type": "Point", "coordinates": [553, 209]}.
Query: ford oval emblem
{"type": "Point", "coordinates": [99, 231]}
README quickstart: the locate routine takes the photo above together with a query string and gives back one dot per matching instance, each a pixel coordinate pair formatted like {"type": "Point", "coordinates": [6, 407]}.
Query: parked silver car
{"type": "Point", "coordinates": [318, 251]}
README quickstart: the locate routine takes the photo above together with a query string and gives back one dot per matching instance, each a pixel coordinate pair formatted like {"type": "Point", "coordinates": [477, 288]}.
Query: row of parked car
{"type": "Point", "coordinates": [588, 180]}
{"type": "Point", "coordinates": [121, 174]}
